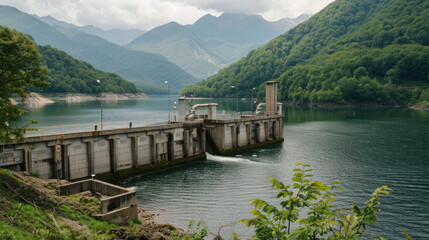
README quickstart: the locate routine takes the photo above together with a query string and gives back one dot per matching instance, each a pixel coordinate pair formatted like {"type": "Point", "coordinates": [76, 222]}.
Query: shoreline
{"type": "Point", "coordinates": [77, 97]}
{"type": "Point", "coordinates": [39, 99]}
{"type": "Point", "coordinates": [415, 107]}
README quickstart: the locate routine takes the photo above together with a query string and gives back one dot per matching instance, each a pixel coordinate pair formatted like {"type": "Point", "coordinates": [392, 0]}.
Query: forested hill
{"type": "Point", "coordinates": [68, 75]}
{"type": "Point", "coordinates": [353, 51]}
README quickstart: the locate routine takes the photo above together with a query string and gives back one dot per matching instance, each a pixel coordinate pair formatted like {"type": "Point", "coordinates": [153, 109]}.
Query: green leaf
{"type": "Point", "coordinates": [297, 179]}
{"type": "Point", "coordinates": [356, 210]}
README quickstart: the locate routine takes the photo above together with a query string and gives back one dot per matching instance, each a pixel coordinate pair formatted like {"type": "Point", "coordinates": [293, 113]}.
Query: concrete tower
{"type": "Point", "coordinates": [271, 98]}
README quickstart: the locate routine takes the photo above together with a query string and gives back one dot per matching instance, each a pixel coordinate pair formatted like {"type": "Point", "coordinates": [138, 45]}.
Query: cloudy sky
{"type": "Point", "coordinates": [147, 14]}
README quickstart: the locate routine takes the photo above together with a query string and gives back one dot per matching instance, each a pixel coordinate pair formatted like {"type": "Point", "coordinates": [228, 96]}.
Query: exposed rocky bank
{"type": "Point", "coordinates": [31, 208]}
{"type": "Point", "coordinates": [36, 98]}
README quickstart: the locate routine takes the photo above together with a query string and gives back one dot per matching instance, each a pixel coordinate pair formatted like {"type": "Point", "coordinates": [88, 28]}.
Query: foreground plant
{"type": "Point", "coordinates": [322, 221]}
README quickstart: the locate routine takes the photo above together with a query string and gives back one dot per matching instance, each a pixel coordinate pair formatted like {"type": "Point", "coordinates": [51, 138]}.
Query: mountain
{"type": "Point", "coordinates": [66, 74]}
{"type": "Point", "coordinates": [285, 24]}
{"type": "Point", "coordinates": [236, 28]}
{"type": "Point", "coordinates": [211, 43]}
{"type": "Point", "coordinates": [116, 35]}
{"type": "Point", "coordinates": [147, 70]}
{"type": "Point", "coordinates": [353, 51]}
{"type": "Point", "coordinates": [181, 46]}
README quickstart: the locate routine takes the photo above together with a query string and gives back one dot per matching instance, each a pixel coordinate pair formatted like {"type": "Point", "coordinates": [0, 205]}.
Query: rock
{"type": "Point", "coordinates": [33, 98]}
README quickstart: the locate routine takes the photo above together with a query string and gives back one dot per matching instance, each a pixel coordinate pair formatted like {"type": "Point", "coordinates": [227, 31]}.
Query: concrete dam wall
{"type": "Point", "coordinates": [80, 155]}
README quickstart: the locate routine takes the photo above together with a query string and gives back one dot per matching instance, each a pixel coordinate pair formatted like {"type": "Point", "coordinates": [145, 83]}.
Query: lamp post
{"type": "Point", "coordinates": [236, 97]}
{"type": "Point", "coordinates": [174, 107]}
{"type": "Point", "coordinates": [166, 82]}
{"type": "Point", "coordinates": [251, 102]}
{"type": "Point", "coordinates": [101, 103]}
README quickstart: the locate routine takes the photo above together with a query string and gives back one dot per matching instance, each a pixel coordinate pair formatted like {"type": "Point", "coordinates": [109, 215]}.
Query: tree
{"type": "Point", "coordinates": [20, 68]}
{"type": "Point", "coordinates": [323, 220]}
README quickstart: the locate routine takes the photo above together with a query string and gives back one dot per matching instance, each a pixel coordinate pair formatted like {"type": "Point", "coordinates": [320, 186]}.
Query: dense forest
{"type": "Point", "coordinates": [68, 75]}
{"type": "Point", "coordinates": [353, 51]}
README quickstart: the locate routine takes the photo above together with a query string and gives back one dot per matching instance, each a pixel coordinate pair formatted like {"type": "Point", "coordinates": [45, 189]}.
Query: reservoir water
{"type": "Point", "coordinates": [364, 148]}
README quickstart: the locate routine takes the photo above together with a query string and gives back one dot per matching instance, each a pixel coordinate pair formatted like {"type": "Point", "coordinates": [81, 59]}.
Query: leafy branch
{"type": "Point", "coordinates": [322, 218]}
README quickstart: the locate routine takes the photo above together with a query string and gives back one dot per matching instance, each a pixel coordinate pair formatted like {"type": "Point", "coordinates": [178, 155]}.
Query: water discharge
{"type": "Point", "coordinates": [236, 159]}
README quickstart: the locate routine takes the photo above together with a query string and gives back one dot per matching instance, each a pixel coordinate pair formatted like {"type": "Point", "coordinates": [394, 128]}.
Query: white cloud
{"type": "Point", "coordinates": [146, 14]}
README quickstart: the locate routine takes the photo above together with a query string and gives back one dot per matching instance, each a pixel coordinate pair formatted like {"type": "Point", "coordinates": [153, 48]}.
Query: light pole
{"type": "Point", "coordinates": [174, 107]}
{"type": "Point", "coordinates": [251, 102]}
{"type": "Point", "coordinates": [236, 97]}
{"type": "Point", "coordinates": [101, 103]}
{"type": "Point", "coordinates": [166, 82]}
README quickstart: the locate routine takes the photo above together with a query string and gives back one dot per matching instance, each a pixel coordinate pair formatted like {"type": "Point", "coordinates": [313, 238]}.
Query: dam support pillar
{"type": "Point", "coordinates": [266, 131]}
{"type": "Point", "coordinates": [57, 156]}
{"type": "Point", "coordinates": [186, 143]}
{"type": "Point", "coordinates": [113, 154]}
{"type": "Point", "coordinates": [170, 146]}
{"type": "Point", "coordinates": [135, 151]}
{"type": "Point", "coordinates": [201, 135]}
{"type": "Point", "coordinates": [26, 156]}
{"type": "Point", "coordinates": [153, 152]}
{"type": "Point", "coordinates": [258, 132]}
{"type": "Point", "coordinates": [27, 159]}
{"type": "Point", "coordinates": [66, 162]}
{"type": "Point", "coordinates": [234, 136]}
{"type": "Point", "coordinates": [276, 128]}
{"type": "Point", "coordinates": [248, 134]}
{"type": "Point", "coordinates": [90, 155]}
{"type": "Point", "coordinates": [203, 140]}
{"type": "Point", "coordinates": [58, 167]}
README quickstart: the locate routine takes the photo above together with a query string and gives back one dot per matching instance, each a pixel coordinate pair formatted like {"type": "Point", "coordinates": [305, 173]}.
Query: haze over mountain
{"type": "Point", "coordinates": [212, 43]}
{"type": "Point", "coordinates": [147, 70]}
{"type": "Point", "coordinates": [353, 51]}
{"type": "Point", "coordinates": [116, 35]}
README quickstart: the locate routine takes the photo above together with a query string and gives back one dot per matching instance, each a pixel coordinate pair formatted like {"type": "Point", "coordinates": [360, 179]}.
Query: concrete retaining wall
{"type": "Point", "coordinates": [118, 208]}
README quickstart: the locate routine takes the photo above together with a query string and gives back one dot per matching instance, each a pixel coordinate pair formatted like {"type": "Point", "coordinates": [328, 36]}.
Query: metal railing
{"type": "Point", "coordinates": [91, 127]}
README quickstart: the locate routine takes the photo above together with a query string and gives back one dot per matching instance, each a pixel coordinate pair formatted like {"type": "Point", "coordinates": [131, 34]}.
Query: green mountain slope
{"type": "Point", "coordinates": [179, 45]}
{"type": "Point", "coordinates": [148, 71]}
{"type": "Point", "coordinates": [66, 74]}
{"type": "Point", "coordinates": [353, 51]}
{"type": "Point", "coordinates": [132, 65]}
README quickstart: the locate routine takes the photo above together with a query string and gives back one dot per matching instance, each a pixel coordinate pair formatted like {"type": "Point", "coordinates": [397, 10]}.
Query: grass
{"type": "Point", "coordinates": [26, 213]}
{"type": "Point", "coordinates": [8, 232]}
{"type": "Point", "coordinates": [423, 104]}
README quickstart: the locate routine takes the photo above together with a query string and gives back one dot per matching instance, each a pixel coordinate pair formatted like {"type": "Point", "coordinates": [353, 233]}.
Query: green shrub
{"type": "Point", "coordinates": [197, 230]}
{"type": "Point", "coordinates": [66, 208]}
{"type": "Point", "coordinates": [36, 175]}
{"type": "Point", "coordinates": [322, 219]}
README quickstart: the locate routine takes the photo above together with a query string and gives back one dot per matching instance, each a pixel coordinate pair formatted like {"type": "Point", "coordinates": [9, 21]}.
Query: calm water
{"type": "Point", "coordinates": [363, 148]}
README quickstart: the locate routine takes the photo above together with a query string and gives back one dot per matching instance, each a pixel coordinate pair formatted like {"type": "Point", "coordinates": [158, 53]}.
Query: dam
{"type": "Point", "coordinates": [134, 149]}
